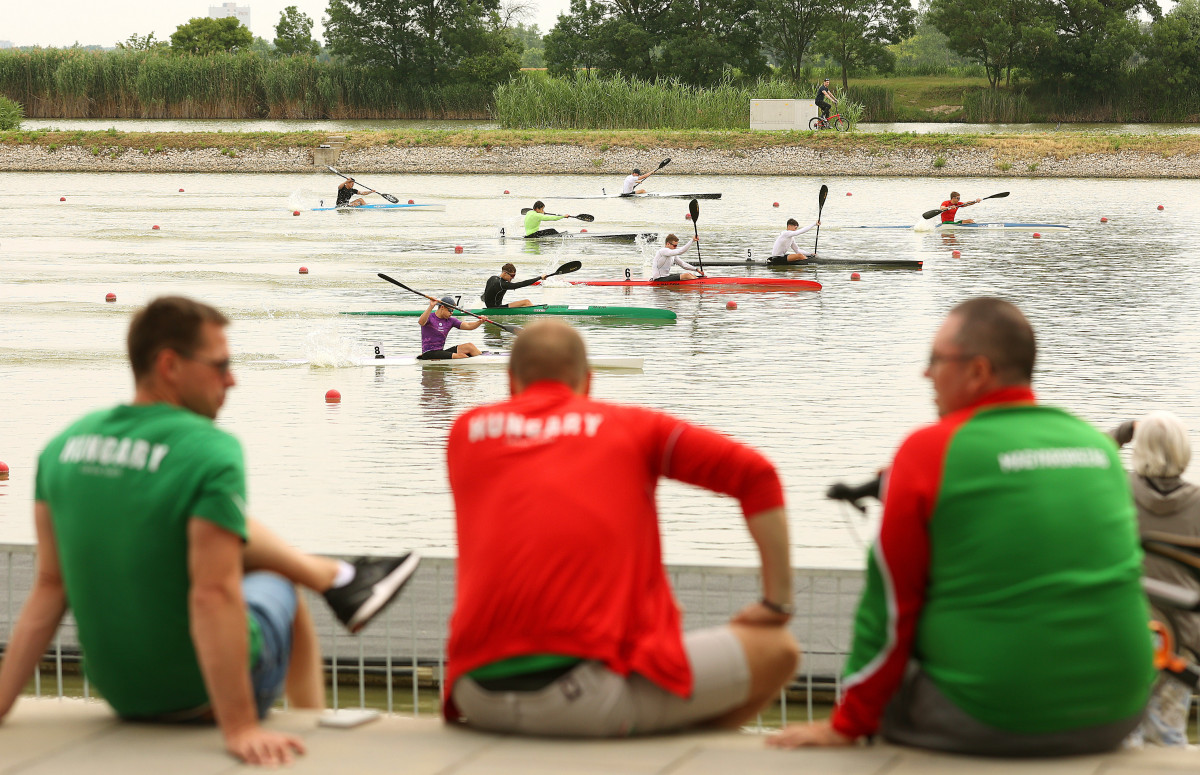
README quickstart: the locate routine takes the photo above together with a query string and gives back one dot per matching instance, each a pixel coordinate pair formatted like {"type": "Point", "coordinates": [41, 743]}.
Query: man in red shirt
{"type": "Point", "coordinates": [950, 209]}
{"type": "Point", "coordinates": [564, 620]}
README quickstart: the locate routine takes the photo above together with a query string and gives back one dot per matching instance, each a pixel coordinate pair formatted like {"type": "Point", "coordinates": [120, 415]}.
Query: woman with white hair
{"type": "Point", "coordinates": [1165, 504]}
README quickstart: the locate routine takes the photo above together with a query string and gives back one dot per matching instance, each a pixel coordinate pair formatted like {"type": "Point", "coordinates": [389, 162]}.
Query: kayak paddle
{"type": "Point", "coordinates": [581, 217]}
{"type": "Point", "coordinates": [930, 213]}
{"type": "Point", "coordinates": [820, 206]}
{"type": "Point", "coordinates": [694, 209]}
{"type": "Point", "coordinates": [388, 197]}
{"type": "Point", "coordinates": [567, 268]}
{"type": "Point", "coordinates": [661, 164]}
{"type": "Point", "coordinates": [505, 326]}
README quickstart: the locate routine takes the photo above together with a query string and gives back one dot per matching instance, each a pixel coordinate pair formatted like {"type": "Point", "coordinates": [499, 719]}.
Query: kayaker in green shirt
{"type": "Point", "coordinates": [534, 219]}
{"type": "Point", "coordinates": [186, 609]}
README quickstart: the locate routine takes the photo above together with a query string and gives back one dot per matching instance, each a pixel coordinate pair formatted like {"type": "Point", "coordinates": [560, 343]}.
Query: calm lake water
{"type": "Point", "coordinates": [826, 383]}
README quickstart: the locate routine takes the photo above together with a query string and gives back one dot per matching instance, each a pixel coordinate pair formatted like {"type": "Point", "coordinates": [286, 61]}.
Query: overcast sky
{"type": "Point", "coordinates": [65, 22]}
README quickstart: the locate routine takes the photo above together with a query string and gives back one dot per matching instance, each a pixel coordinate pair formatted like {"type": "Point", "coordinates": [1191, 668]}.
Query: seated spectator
{"type": "Point", "coordinates": [1003, 613]}
{"type": "Point", "coordinates": [186, 608]}
{"type": "Point", "coordinates": [1166, 505]}
{"type": "Point", "coordinates": [564, 621]}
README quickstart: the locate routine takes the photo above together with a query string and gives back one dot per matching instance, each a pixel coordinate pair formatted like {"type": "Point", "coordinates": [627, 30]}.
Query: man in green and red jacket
{"type": "Point", "coordinates": [1002, 613]}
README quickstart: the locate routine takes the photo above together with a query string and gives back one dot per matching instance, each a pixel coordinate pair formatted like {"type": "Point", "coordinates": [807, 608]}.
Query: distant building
{"type": "Point", "coordinates": [242, 12]}
{"type": "Point", "coordinates": [6, 44]}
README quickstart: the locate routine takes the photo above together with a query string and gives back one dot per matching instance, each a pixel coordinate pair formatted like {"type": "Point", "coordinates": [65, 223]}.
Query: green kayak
{"type": "Point", "coordinates": [642, 313]}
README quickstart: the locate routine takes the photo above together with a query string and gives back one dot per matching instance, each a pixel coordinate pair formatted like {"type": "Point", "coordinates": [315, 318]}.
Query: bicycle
{"type": "Point", "coordinates": [836, 121]}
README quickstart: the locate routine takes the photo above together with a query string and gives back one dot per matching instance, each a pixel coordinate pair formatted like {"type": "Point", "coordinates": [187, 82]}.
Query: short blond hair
{"type": "Point", "coordinates": [1160, 446]}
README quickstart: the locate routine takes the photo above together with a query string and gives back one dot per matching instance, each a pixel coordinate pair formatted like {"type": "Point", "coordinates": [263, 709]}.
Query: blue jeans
{"type": "Point", "coordinates": [271, 600]}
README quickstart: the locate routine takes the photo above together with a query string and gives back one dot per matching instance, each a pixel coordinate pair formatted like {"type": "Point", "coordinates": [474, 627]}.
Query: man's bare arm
{"type": "Point", "coordinates": [39, 618]}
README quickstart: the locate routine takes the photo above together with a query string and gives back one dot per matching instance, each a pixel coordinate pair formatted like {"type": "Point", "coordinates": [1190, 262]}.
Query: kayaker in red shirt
{"type": "Point", "coordinates": [950, 209]}
{"type": "Point", "coordinates": [564, 621]}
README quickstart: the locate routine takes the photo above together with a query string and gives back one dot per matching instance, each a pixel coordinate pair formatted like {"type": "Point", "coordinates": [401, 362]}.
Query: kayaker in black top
{"type": "Point", "coordinates": [347, 190]}
{"type": "Point", "coordinates": [498, 285]}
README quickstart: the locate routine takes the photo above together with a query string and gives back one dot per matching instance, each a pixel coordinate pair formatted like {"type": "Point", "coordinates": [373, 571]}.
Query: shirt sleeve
{"type": "Point", "coordinates": [885, 623]}
{"type": "Point", "coordinates": [221, 498]}
{"type": "Point", "coordinates": [708, 459]}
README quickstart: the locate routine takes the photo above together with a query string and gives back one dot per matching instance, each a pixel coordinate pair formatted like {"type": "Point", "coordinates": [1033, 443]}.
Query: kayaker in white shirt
{"type": "Point", "coordinates": [629, 188]}
{"type": "Point", "coordinates": [786, 250]}
{"type": "Point", "coordinates": [668, 256]}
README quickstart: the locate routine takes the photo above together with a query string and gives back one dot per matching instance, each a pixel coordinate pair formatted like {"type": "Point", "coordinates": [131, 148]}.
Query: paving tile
{"type": "Point", "coordinates": [914, 762]}
{"type": "Point", "coordinates": [393, 745]}
{"type": "Point", "coordinates": [38, 728]}
{"type": "Point", "coordinates": [520, 756]}
{"type": "Point", "coordinates": [768, 761]}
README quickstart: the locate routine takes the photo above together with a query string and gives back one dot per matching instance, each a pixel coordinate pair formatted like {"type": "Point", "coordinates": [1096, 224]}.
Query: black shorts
{"type": "Point", "coordinates": [542, 233]}
{"type": "Point", "coordinates": [671, 278]}
{"type": "Point", "coordinates": [439, 355]}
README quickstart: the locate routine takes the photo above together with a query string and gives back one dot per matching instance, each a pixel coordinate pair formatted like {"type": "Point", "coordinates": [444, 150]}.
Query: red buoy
{"type": "Point", "coordinates": [411, 202]}
{"type": "Point", "coordinates": [506, 190]}
{"type": "Point", "coordinates": [304, 270]}
{"type": "Point", "coordinates": [731, 305]}
{"type": "Point", "coordinates": [154, 227]}
{"type": "Point", "coordinates": [295, 212]}
{"type": "Point", "coordinates": [1103, 220]}
{"type": "Point", "coordinates": [110, 297]}
{"type": "Point", "coordinates": [181, 190]}
{"type": "Point", "coordinates": [776, 204]}
{"type": "Point", "coordinates": [62, 199]}
{"type": "Point", "coordinates": [458, 248]}
{"type": "Point", "coordinates": [855, 276]}
{"type": "Point", "coordinates": [583, 231]}
{"type": "Point", "coordinates": [3, 471]}
{"type": "Point", "coordinates": [1036, 235]}
{"type": "Point", "coordinates": [333, 397]}
{"type": "Point", "coordinates": [956, 254]}
{"type": "Point", "coordinates": [687, 216]}
{"type": "Point", "coordinates": [849, 194]}
{"type": "Point", "coordinates": [1160, 207]}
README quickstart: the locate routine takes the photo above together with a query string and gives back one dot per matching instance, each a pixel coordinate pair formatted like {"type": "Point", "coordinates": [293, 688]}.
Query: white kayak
{"type": "Point", "coordinates": [479, 361]}
{"type": "Point", "coordinates": [424, 206]}
{"type": "Point", "coordinates": [647, 195]}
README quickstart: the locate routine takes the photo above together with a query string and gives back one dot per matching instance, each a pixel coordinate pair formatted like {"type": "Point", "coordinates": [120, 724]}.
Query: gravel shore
{"type": "Point", "coordinates": [569, 159]}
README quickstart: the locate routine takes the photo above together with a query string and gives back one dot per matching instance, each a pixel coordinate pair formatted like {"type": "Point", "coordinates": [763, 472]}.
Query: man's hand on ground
{"type": "Point", "coordinates": [816, 733]}
{"type": "Point", "coordinates": [263, 747]}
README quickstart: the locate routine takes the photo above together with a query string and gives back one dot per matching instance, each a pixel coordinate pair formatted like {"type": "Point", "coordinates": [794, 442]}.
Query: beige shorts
{"type": "Point", "coordinates": [593, 701]}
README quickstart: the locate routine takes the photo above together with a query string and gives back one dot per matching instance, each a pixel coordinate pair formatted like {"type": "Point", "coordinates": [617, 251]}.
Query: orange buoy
{"type": "Point", "coordinates": [181, 190]}
{"type": "Point", "coordinates": [849, 194]}
{"type": "Point", "coordinates": [62, 199]}
{"type": "Point", "coordinates": [956, 253]}
{"type": "Point", "coordinates": [1103, 220]}
{"type": "Point", "coordinates": [304, 270]}
{"type": "Point", "coordinates": [333, 397]}
{"type": "Point", "coordinates": [687, 216]}
{"type": "Point", "coordinates": [776, 204]}
{"type": "Point", "coordinates": [506, 190]}
{"type": "Point", "coordinates": [110, 297]}
{"type": "Point", "coordinates": [295, 212]}
{"type": "Point", "coordinates": [1160, 207]}
{"type": "Point", "coordinates": [731, 305]}
{"type": "Point", "coordinates": [458, 248]}
{"type": "Point", "coordinates": [3, 471]}
{"type": "Point", "coordinates": [583, 231]}
{"type": "Point", "coordinates": [1036, 235]}
{"type": "Point", "coordinates": [154, 227]}
{"type": "Point", "coordinates": [855, 276]}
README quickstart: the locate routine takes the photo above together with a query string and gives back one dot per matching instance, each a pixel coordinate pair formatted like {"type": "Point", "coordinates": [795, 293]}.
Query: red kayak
{"type": "Point", "coordinates": [769, 283]}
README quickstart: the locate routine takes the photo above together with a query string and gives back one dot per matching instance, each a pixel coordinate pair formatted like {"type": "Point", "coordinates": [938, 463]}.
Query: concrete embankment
{"type": "Point", "coordinates": [852, 155]}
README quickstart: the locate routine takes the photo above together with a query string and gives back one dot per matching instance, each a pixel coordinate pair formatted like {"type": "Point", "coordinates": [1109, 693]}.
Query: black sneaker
{"type": "Point", "coordinates": [376, 583]}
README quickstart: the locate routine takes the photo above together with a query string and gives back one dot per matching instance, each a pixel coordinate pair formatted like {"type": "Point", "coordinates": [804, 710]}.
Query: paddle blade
{"type": "Point", "coordinates": [390, 198]}
{"type": "Point", "coordinates": [1001, 195]}
{"type": "Point", "coordinates": [694, 209]}
{"type": "Point", "coordinates": [664, 162]}
{"type": "Point", "coordinates": [821, 196]}
{"type": "Point", "coordinates": [525, 210]}
{"type": "Point", "coordinates": [585, 217]}
{"type": "Point", "coordinates": [930, 213]}
{"type": "Point", "coordinates": [567, 268]}
{"type": "Point", "coordinates": [331, 169]}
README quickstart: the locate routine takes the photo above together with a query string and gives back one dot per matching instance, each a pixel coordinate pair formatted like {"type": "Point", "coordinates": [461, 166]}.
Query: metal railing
{"type": "Point", "coordinates": [397, 663]}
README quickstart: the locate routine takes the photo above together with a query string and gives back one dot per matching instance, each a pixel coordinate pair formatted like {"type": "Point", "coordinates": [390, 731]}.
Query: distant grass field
{"type": "Point", "coordinates": [926, 97]}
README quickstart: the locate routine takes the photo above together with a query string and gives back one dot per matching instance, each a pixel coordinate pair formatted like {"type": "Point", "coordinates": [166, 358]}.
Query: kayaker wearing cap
{"type": "Point", "coordinates": [668, 256]}
{"type": "Point", "coordinates": [534, 218]}
{"type": "Point", "coordinates": [435, 325]}
{"type": "Point", "coordinates": [785, 250]}
{"type": "Point", "coordinates": [824, 94]}
{"type": "Point", "coordinates": [950, 209]}
{"type": "Point", "coordinates": [498, 285]}
{"type": "Point", "coordinates": [347, 190]}
{"type": "Point", "coordinates": [629, 188]}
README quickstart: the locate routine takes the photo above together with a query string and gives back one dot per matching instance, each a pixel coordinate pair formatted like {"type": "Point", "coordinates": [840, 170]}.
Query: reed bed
{"type": "Point", "coordinates": [991, 106]}
{"type": "Point", "coordinates": [73, 83]}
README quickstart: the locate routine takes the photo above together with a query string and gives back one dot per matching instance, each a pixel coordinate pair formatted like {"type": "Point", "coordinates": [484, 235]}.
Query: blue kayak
{"type": "Point", "coordinates": [430, 207]}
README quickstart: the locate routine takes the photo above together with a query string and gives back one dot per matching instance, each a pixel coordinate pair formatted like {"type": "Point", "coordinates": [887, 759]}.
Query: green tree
{"type": "Point", "coordinates": [530, 37]}
{"type": "Point", "coordinates": [993, 33]}
{"type": "Point", "coordinates": [203, 36]}
{"type": "Point", "coordinates": [1172, 52]}
{"type": "Point", "coordinates": [1083, 44]}
{"type": "Point", "coordinates": [424, 42]}
{"type": "Point", "coordinates": [708, 39]}
{"type": "Point", "coordinates": [572, 43]}
{"type": "Point", "coordinates": [856, 33]}
{"type": "Point", "coordinates": [293, 33]}
{"type": "Point", "coordinates": [789, 28]}
{"type": "Point", "coordinates": [137, 42]}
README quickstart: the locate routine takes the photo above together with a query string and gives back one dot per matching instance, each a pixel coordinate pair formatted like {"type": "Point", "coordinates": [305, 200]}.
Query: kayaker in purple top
{"type": "Point", "coordinates": [435, 324]}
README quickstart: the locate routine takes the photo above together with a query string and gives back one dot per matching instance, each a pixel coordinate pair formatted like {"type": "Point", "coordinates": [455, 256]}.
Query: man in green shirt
{"type": "Point", "coordinates": [534, 219]}
{"type": "Point", "coordinates": [185, 607]}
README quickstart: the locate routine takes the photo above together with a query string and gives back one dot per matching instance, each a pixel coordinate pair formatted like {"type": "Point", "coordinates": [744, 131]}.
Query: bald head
{"type": "Point", "coordinates": [548, 350]}
{"type": "Point", "coordinates": [998, 331]}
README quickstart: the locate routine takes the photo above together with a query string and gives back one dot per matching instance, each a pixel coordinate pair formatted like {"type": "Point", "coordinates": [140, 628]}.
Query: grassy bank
{"type": "Point", "coordinates": [1056, 144]}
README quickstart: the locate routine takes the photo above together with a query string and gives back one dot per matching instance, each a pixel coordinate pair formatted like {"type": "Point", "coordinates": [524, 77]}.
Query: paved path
{"type": "Point", "coordinates": [80, 737]}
